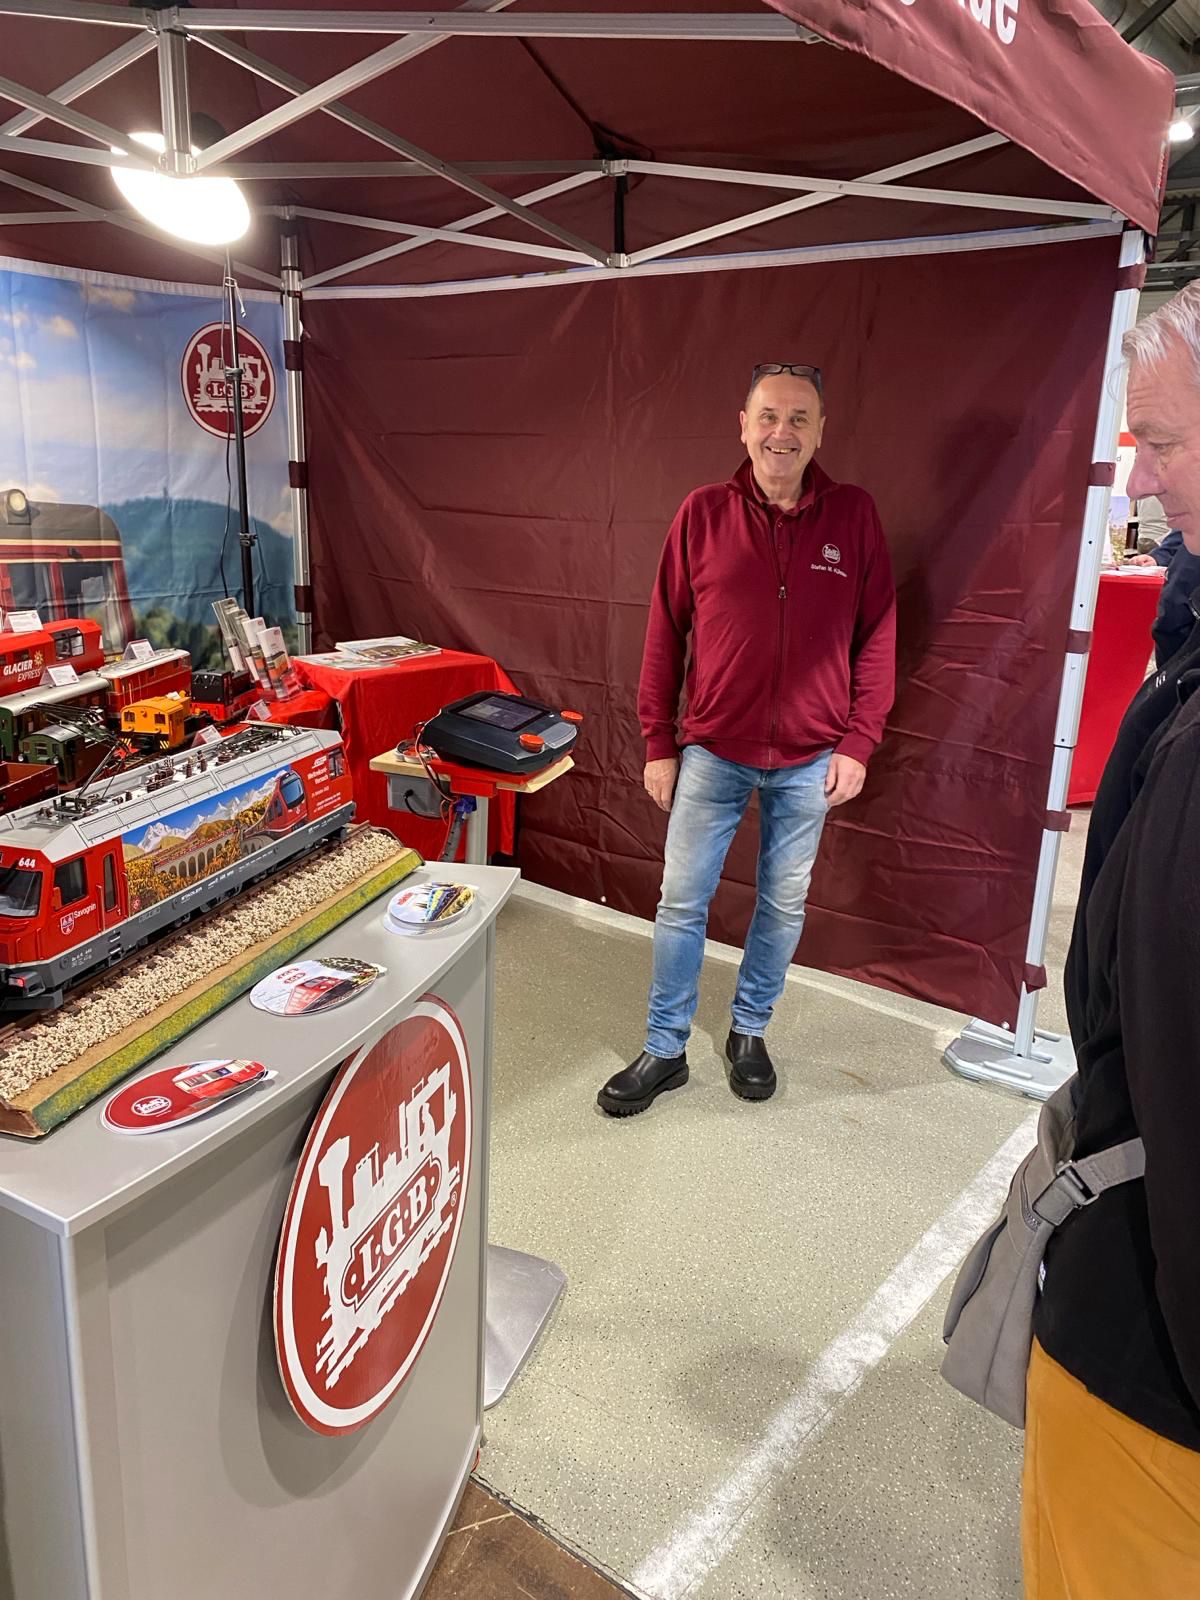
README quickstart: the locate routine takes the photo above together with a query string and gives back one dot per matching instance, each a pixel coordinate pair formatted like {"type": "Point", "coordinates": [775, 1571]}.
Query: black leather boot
{"type": "Point", "coordinates": [636, 1087]}
{"type": "Point", "coordinates": [752, 1076]}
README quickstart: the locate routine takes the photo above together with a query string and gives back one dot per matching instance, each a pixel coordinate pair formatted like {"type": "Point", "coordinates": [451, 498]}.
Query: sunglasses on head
{"type": "Point", "coordinates": [772, 369]}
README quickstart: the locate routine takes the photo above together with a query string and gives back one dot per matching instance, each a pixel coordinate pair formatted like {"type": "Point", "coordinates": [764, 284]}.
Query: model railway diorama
{"type": "Point", "coordinates": [137, 802]}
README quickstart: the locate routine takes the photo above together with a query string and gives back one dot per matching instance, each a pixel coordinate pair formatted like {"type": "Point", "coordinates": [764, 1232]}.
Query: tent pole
{"type": "Point", "coordinates": [297, 461]}
{"type": "Point", "coordinates": [1034, 1062]}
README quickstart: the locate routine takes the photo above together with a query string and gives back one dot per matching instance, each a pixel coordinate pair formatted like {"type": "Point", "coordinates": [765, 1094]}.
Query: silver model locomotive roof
{"type": "Point", "coordinates": [114, 671]}
{"type": "Point", "coordinates": [52, 694]}
{"type": "Point", "coordinates": [157, 789]}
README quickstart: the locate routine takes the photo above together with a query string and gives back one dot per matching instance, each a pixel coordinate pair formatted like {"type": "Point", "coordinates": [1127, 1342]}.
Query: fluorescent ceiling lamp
{"type": "Point", "coordinates": [1181, 131]}
{"type": "Point", "coordinates": [200, 209]}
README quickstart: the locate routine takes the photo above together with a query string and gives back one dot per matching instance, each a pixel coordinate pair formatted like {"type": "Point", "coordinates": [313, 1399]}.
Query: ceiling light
{"type": "Point", "coordinates": [1181, 131]}
{"type": "Point", "coordinates": [200, 209]}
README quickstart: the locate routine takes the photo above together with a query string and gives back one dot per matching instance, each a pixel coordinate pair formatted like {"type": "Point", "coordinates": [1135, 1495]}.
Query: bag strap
{"type": "Point", "coordinates": [1078, 1183]}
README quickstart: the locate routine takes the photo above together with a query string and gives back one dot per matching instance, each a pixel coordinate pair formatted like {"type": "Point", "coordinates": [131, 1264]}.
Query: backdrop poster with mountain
{"type": "Point", "coordinates": [118, 474]}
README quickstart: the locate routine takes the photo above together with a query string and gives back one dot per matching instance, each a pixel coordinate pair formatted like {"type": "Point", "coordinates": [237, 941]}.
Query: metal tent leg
{"type": "Point", "coordinates": [1036, 1063]}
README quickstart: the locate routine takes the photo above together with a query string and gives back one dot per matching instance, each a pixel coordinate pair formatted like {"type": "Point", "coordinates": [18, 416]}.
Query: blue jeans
{"type": "Point", "coordinates": [710, 799]}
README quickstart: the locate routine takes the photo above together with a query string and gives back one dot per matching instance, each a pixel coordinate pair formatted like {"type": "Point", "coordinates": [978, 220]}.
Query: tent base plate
{"type": "Point", "coordinates": [522, 1291]}
{"type": "Point", "coordinates": [986, 1054]}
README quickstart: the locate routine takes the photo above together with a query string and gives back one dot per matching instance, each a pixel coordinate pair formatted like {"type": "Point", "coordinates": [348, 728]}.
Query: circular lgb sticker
{"type": "Point", "coordinates": [373, 1220]}
{"type": "Point", "coordinates": [303, 987]}
{"type": "Point", "coordinates": [209, 392]}
{"type": "Point", "coordinates": [174, 1095]}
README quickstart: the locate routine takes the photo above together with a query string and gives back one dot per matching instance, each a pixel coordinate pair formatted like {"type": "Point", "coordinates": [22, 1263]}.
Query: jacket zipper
{"type": "Point", "coordinates": [779, 641]}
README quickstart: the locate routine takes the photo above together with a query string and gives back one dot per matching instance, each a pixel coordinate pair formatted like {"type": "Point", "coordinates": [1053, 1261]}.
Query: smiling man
{"type": "Point", "coordinates": [780, 583]}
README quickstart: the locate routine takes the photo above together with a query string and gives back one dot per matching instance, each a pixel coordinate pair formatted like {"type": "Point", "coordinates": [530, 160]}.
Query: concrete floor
{"type": "Point", "coordinates": [739, 1396]}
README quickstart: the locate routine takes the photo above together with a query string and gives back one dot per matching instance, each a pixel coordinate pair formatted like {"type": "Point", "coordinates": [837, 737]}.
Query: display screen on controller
{"type": "Point", "coordinates": [502, 732]}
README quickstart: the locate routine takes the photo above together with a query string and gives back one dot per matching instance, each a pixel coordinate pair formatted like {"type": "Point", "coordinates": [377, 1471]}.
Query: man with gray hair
{"type": "Point", "coordinates": [775, 605]}
{"type": "Point", "coordinates": [1112, 1455]}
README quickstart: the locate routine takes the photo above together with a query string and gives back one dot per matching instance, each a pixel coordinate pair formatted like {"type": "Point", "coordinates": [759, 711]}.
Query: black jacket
{"type": "Point", "coordinates": [1121, 1305]}
{"type": "Point", "coordinates": [1176, 614]}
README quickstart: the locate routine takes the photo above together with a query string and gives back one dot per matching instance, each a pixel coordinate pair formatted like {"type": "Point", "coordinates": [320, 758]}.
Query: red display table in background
{"type": "Point", "coordinates": [1120, 657]}
{"type": "Point", "coordinates": [311, 708]}
{"type": "Point", "coordinates": [379, 706]}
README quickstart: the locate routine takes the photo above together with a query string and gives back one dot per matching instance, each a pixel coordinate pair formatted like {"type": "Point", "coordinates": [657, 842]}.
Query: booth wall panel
{"type": "Point", "coordinates": [496, 472]}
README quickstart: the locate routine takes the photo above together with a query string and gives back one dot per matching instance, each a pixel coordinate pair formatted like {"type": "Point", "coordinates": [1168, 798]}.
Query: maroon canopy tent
{"type": "Point", "coordinates": [951, 234]}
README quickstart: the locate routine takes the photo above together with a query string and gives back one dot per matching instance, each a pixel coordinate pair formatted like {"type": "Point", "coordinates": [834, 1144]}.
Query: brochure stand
{"type": "Point", "coordinates": [147, 1442]}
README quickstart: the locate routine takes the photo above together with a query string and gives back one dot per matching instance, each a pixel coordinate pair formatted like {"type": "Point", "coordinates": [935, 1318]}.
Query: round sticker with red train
{"type": "Point", "coordinates": [373, 1221]}
{"type": "Point", "coordinates": [209, 393]}
{"type": "Point", "coordinates": [172, 1095]}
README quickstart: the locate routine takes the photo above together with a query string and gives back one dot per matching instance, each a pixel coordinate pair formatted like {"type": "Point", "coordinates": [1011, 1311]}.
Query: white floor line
{"type": "Point", "coordinates": [625, 922]}
{"type": "Point", "coordinates": [707, 1536]}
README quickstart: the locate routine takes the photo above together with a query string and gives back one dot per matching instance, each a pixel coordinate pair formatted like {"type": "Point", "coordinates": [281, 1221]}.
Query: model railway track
{"type": "Point", "coordinates": [157, 951]}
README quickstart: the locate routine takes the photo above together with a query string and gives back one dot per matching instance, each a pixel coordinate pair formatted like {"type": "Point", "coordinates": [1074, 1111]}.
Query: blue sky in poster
{"type": "Point", "coordinates": [183, 823]}
{"type": "Point", "coordinates": [92, 412]}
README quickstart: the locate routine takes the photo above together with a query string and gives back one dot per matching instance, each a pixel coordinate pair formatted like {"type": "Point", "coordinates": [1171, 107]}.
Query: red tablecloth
{"type": "Point", "coordinates": [1120, 657]}
{"type": "Point", "coordinates": [379, 706]}
{"type": "Point", "coordinates": [311, 708]}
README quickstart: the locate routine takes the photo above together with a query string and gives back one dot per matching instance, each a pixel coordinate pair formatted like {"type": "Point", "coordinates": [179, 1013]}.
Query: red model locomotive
{"type": "Point", "coordinates": [86, 878]}
{"type": "Point", "coordinates": [24, 657]}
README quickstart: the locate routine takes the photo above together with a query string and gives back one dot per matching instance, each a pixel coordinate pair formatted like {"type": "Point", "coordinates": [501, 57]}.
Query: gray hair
{"type": "Point", "coordinates": [1179, 320]}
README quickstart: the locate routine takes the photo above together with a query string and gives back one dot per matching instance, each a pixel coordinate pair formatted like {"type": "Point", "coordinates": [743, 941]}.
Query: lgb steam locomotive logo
{"type": "Point", "coordinates": [832, 554]}
{"type": "Point", "coordinates": [209, 393]}
{"type": "Point", "coordinates": [373, 1221]}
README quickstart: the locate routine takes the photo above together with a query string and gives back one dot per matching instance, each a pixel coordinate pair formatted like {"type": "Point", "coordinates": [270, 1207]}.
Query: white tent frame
{"type": "Point", "coordinates": [1024, 1058]}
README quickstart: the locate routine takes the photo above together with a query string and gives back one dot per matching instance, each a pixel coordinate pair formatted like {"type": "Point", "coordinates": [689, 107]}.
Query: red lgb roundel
{"type": "Point", "coordinates": [373, 1221]}
{"type": "Point", "coordinates": [209, 393]}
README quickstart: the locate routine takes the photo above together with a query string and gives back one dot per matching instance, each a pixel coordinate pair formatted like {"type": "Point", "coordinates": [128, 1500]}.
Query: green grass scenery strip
{"type": "Point", "coordinates": [165, 1031]}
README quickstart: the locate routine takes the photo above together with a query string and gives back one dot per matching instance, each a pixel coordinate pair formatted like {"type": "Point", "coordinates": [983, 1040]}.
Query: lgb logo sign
{"type": "Point", "coordinates": [373, 1221]}
{"type": "Point", "coordinates": [209, 393]}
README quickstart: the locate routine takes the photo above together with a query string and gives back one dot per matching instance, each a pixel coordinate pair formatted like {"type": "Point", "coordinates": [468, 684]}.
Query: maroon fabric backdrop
{"type": "Point", "coordinates": [495, 472]}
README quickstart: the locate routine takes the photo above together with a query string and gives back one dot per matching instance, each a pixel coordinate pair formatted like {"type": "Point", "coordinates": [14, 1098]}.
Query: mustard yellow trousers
{"type": "Point", "coordinates": [1110, 1510]}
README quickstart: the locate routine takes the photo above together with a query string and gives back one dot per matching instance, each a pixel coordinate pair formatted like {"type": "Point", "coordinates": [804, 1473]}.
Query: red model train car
{"type": "Point", "coordinates": [24, 657]}
{"type": "Point", "coordinates": [85, 879]}
{"type": "Point", "coordinates": [162, 672]}
{"type": "Point", "coordinates": [224, 696]}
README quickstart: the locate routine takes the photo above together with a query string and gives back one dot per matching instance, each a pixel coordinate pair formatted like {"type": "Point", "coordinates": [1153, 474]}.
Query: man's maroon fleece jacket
{"type": "Point", "coordinates": [792, 622]}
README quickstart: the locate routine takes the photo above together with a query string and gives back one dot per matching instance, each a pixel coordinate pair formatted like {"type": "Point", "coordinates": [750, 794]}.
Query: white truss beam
{"type": "Point", "coordinates": [251, 171]}
{"type": "Point", "coordinates": [412, 230]}
{"type": "Point", "coordinates": [453, 231]}
{"type": "Point", "coordinates": [838, 187]}
{"type": "Point", "coordinates": [948, 244]}
{"type": "Point", "coordinates": [398, 146]}
{"type": "Point", "coordinates": [82, 154]}
{"type": "Point", "coordinates": [786, 208]}
{"type": "Point", "coordinates": [90, 78]}
{"type": "Point", "coordinates": [118, 219]}
{"type": "Point", "coordinates": [76, 11]}
{"type": "Point", "coordinates": [26, 219]}
{"type": "Point", "coordinates": [54, 111]}
{"type": "Point", "coordinates": [718, 26]}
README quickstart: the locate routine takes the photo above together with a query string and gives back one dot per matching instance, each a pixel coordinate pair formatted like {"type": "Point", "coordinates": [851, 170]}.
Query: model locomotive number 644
{"type": "Point", "coordinates": [87, 878]}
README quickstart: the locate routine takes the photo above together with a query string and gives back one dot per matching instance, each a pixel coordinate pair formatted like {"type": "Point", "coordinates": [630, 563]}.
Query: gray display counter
{"type": "Point", "coordinates": [148, 1450]}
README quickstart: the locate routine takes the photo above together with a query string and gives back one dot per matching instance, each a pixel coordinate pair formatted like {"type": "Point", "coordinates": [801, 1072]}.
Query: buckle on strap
{"type": "Point", "coordinates": [1067, 1186]}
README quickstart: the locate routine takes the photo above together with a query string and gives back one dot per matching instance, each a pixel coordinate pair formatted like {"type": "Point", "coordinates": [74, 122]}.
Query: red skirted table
{"type": "Point", "coordinates": [1120, 656]}
{"type": "Point", "coordinates": [380, 706]}
{"type": "Point", "coordinates": [311, 708]}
